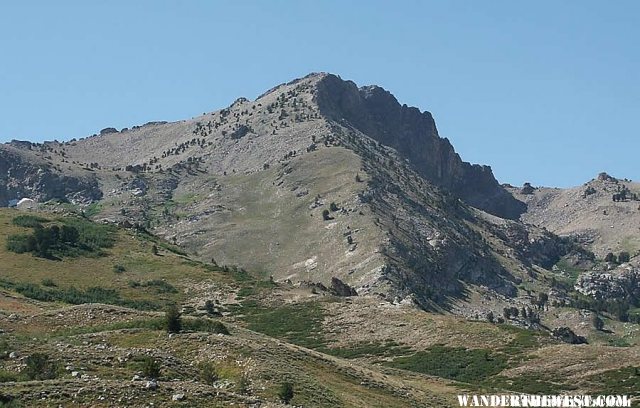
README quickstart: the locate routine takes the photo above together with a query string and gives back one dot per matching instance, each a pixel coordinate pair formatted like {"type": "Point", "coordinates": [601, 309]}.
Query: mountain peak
{"type": "Point", "coordinates": [376, 113]}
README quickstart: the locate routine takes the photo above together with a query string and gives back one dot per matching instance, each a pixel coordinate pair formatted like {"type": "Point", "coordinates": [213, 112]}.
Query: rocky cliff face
{"type": "Point", "coordinates": [376, 113]}
{"type": "Point", "coordinates": [24, 176]}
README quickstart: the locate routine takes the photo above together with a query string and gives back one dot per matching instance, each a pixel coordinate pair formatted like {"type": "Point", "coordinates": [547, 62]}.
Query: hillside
{"type": "Point", "coordinates": [336, 351]}
{"type": "Point", "coordinates": [589, 212]}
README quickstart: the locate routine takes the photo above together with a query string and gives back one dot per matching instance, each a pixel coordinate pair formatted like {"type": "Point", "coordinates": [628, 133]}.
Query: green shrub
{"type": "Point", "coordinates": [623, 257]}
{"type": "Point", "coordinates": [9, 401]}
{"type": "Point", "coordinates": [4, 348]}
{"type": "Point", "coordinates": [91, 234]}
{"type": "Point", "coordinates": [119, 269]}
{"type": "Point", "coordinates": [7, 376]}
{"type": "Point", "coordinates": [210, 307]}
{"type": "Point", "coordinates": [204, 325]}
{"type": "Point", "coordinates": [76, 296]}
{"type": "Point", "coordinates": [48, 282]}
{"type": "Point", "coordinates": [285, 393]}
{"type": "Point", "coordinates": [242, 386]}
{"type": "Point", "coordinates": [160, 286]}
{"type": "Point", "coordinates": [172, 319]}
{"type": "Point", "coordinates": [40, 367]}
{"type": "Point", "coordinates": [29, 221]}
{"type": "Point", "coordinates": [150, 367]}
{"type": "Point", "coordinates": [597, 322]}
{"type": "Point", "coordinates": [21, 243]}
{"type": "Point", "coordinates": [208, 373]}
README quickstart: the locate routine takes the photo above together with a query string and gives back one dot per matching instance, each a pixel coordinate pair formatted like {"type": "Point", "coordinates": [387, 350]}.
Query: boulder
{"type": "Point", "coordinates": [178, 397]}
{"type": "Point", "coordinates": [340, 288]}
{"type": "Point", "coordinates": [567, 335]}
{"type": "Point", "coordinates": [26, 204]}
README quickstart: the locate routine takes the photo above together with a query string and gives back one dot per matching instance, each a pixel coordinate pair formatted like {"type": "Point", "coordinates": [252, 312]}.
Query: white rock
{"type": "Point", "coordinates": [177, 397]}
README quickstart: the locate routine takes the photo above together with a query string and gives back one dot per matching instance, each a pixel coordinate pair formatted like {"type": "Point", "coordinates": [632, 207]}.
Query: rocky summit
{"type": "Point", "coordinates": [322, 234]}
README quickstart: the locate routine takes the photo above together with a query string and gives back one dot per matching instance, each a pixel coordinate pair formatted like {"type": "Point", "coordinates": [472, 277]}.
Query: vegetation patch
{"type": "Point", "coordinates": [523, 341]}
{"type": "Point", "coordinates": [569, 270]}
{"type": "Point", "coordinates": [388, 348]}
{"type": "Point", "coordinates": [528, 384]}
{"type": "Point", "coordinates": [622, 381]}
{"type": "Point", "coordinates": [149, 323]}
{"type": "Point", "coordinates": [93, 209]}
{"type": "Point", "coordinates": [68, 237]}
{"type": "Point", "coordinates": [466, 365]}
{"type": "Point", "coordinates": [159, 285]}
{"type": "Point", "coordinates": [300, 324]}
{"type": "Point", "coordinates": [29, 221]}
{"type": "Point", "coordinates": [76, 296]}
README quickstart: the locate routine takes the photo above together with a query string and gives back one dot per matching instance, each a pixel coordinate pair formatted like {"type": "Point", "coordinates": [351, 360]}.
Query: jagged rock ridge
{"type": "Point", "coordinates": [376, 113]}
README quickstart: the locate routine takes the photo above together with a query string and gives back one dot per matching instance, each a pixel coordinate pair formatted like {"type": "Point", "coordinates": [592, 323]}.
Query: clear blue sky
{"type": "Point", "coordinates": [543, 91]}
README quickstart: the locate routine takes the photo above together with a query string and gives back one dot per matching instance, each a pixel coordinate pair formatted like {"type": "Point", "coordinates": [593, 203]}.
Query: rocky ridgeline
{"type": "Point", "coordinates": [377, 113]}
{"type": "Point", "coordinates": [23, 178]}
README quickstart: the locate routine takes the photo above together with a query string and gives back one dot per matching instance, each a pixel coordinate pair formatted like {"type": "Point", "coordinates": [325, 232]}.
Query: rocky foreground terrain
{"type": "Point", "coordinates": [343, 246]}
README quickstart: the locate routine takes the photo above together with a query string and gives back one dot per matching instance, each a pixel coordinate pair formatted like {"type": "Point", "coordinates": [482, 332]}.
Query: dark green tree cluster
{"type": "Point", "coordinates": [44, 240]}
{"type": "Point", "coordinates": [618, 308]}
{"type": "Point", "coordinates": [624, 194]}
{"type": "Point", "coordinates": [622, 257]}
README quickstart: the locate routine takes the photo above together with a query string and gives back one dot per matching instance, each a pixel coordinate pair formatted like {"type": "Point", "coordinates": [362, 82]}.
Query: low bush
{"type": "Point", "coordinates": [285, 393]}
{"type": "Point", "coordinates": [208, 373]}
{"type": "Point", "coordinates": [119, 269]}
{"type": "Point", "coordinates": [172, 319]}
{"type": "Point", "coordinates": [40, 367]}
{"type": "Point", "coordinates": [150, 367]}
{"type": "Point", "coordinates": [29, 221]}
{"type": "Point", "coordinates": [204, 325]}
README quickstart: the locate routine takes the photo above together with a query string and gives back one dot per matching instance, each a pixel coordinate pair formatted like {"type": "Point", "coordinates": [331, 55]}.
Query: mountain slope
{"type": "Point", "coordinates": [315, 179]}
{"type": "Point", "coordinates": [256, 334]}
{"type": "Point", "coordinates": [589, 212]}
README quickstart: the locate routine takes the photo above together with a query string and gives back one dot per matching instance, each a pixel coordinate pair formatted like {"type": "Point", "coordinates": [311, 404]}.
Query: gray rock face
{"type": "Point", "coordinates": [619, 284]}
{"type": "Point", "coordinates": [342, 289]}
{"type": "Point", "coordinates": [376, 112]}
{"type": "Point", "coordinates": [20, 178]}
{"type": "Point", "coordinates": [567, 335]}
